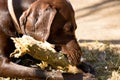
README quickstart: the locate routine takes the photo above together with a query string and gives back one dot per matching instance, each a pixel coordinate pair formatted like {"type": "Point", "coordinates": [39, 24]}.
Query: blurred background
{"type": "Point", "coordinates": [97, 19]}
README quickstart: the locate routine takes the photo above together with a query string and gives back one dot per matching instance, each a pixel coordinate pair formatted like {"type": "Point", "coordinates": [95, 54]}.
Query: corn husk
{"type": "Point", "coordinates": [43, 51]}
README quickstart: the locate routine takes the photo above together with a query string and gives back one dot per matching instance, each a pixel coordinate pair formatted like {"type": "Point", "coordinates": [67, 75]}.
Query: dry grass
{"type": "Point", "coordinates": [104, 57]}
{"type": "Point", "coordinates": [115, 76]}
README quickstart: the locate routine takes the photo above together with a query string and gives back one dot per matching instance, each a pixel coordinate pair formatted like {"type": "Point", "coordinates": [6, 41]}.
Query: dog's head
{"type": "Point", "coordinates": [53, 21]}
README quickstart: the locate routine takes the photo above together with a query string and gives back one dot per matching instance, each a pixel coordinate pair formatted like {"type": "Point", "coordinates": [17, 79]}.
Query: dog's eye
{"type": "Point", "coordinates": [68, 27]}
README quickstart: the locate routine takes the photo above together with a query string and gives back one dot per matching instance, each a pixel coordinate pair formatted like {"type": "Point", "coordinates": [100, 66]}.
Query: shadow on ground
{"type": "Point", "coordinates": [115, 42]}
{"type": "Point", "coordinates": [104, 4]}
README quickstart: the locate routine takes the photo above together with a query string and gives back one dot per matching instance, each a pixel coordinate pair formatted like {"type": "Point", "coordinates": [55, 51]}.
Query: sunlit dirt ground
{"type": "Point", "coordinates": [97, 19]}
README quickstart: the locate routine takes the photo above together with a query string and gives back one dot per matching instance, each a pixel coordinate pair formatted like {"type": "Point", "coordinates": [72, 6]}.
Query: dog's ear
{"type": "Point", "coordinates": [37, 19]}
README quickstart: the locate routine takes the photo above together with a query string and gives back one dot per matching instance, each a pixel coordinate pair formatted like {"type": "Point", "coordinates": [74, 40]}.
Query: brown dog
{"type": "Point", "coordinates": [45, 20]}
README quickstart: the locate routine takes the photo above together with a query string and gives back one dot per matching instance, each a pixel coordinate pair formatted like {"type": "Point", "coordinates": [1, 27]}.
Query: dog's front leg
{"type": "Point", "coordinates": [10, 69]}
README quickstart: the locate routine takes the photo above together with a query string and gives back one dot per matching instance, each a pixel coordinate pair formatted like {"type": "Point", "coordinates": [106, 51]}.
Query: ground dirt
{"type": "Point", "coordinates": [97, 19]}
